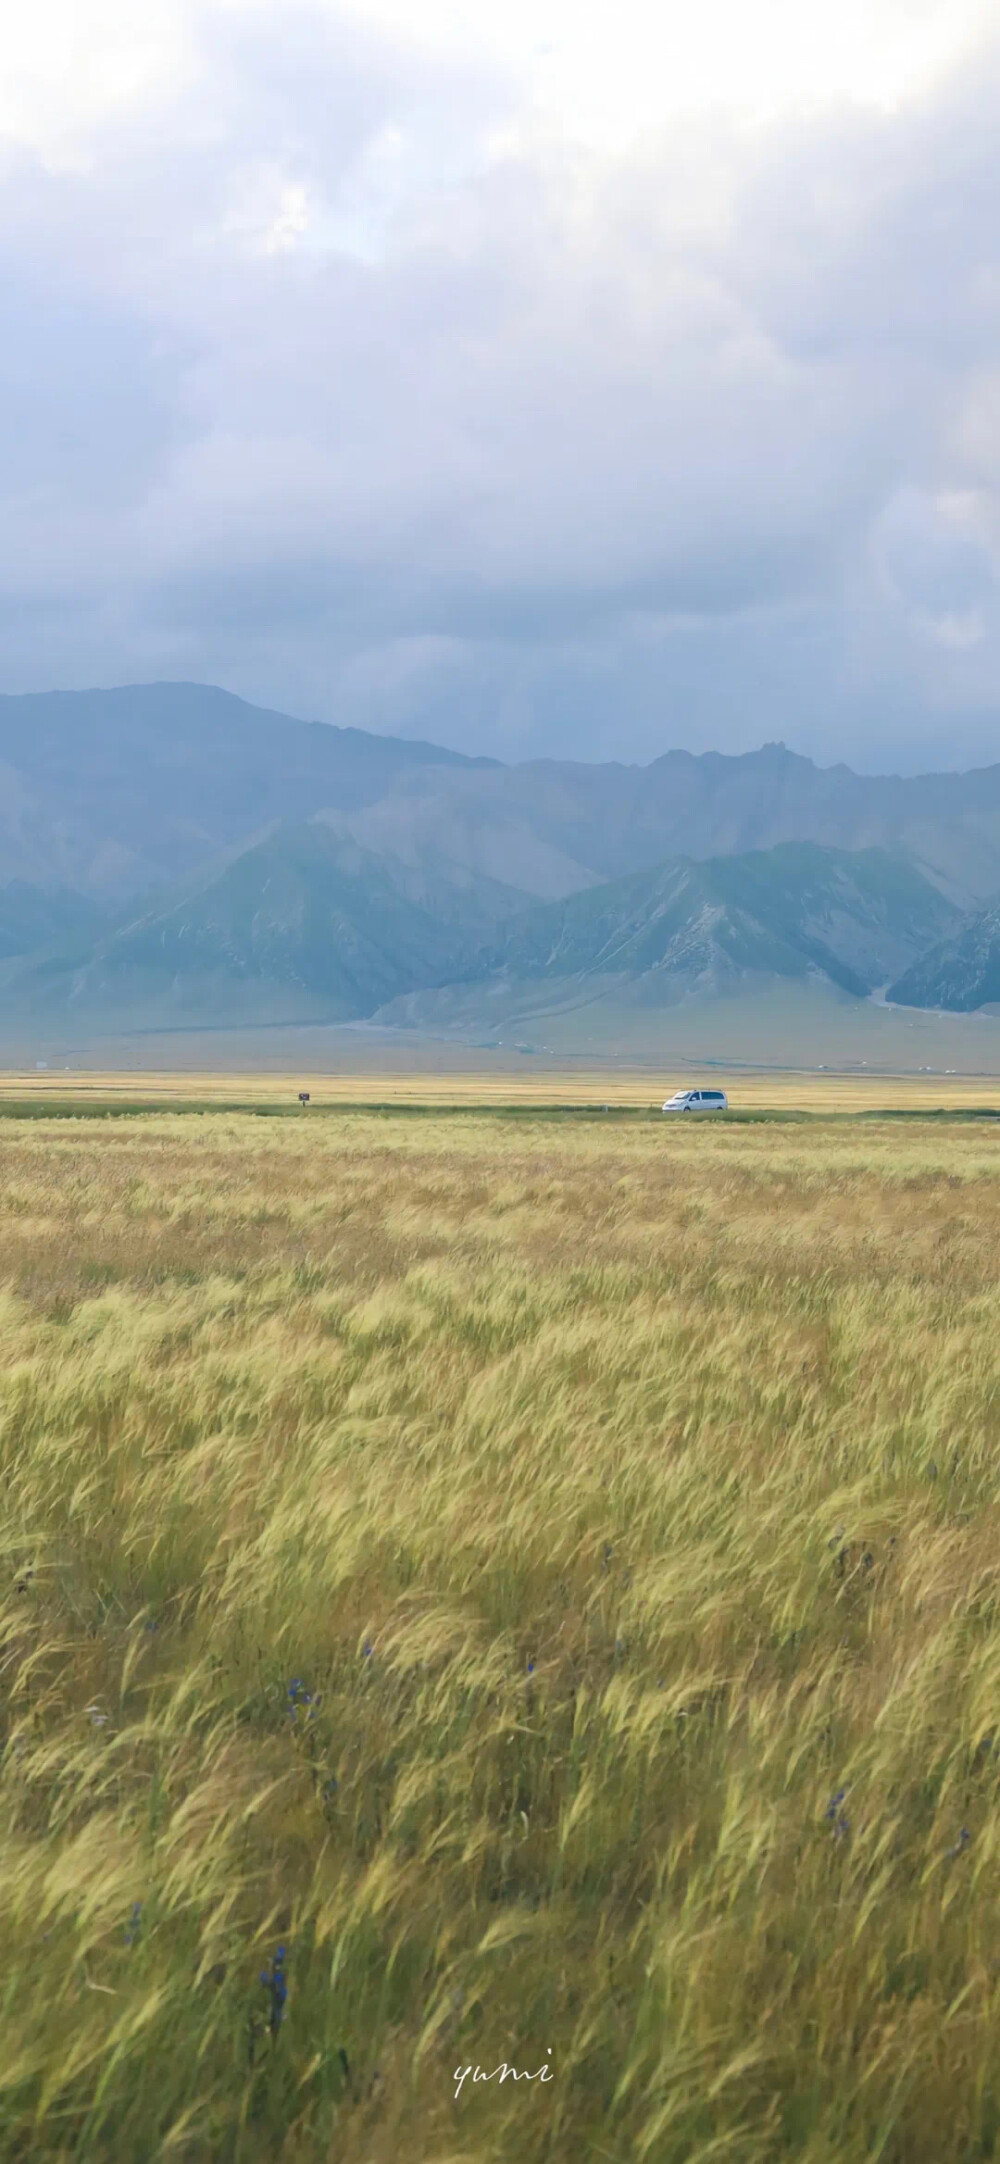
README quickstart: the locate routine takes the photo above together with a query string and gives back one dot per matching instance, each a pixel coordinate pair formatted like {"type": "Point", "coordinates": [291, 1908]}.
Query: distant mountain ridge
{"type": "Point", "coordinates": [172, 853]}
{"type": "Point", "coordinates": [118, 793]}
{"type": "Point", "coordinates": [564, 826]}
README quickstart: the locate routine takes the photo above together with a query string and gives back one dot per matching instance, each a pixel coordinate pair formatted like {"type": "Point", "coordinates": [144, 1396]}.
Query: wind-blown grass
{"type": "Point", "coordinates": [546, 1582]}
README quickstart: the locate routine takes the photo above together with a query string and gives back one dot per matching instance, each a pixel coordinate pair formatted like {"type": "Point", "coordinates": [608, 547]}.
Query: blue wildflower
{"type": "Point", "coordinates": [301, 1703]}
{"type": "Point", "coordinates": [368, 1649]}
{"type": "Point", "coordinates": [134, 1924]}
{"type": "Point", "coordinates": [839, 1821]}
{"type": "Point", "coordinates": [273, 1980]}
{"type": "Point", "coordinates": [963, 1842]}
{"type": "Point", "coordinates": [531, 1668]}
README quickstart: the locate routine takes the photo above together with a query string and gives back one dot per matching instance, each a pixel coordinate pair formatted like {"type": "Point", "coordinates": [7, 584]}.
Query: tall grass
{"type": "Point", "coordinates": [548, 1583]}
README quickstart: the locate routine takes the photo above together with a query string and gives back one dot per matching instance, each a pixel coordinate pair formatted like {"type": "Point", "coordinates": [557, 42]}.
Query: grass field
{"type": "Point", "coordinates": [626, 1088]}
{"type": "Point", "coordinates": [546, 1579]}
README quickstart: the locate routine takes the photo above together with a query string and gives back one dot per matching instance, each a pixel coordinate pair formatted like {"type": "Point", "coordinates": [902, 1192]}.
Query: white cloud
{"type": "Point", "coordinates": [366, 361]}
{"type": "Point", "coordinates": [71, 66]}
{"type": "Point", "coordinates": [607, 71]}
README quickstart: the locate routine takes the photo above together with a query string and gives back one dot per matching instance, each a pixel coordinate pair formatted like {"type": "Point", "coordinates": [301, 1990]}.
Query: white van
{"type": "Point", "coordinates": [698, 1101]}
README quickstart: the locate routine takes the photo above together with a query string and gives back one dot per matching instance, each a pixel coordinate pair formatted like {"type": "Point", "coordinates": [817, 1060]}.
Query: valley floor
{"type": "Point", "coordinates": [541, 1577]}
{"type": "Point", "coordinates": [530, 1031]}
{"type": "Point", "coordinates": [499, 1085]}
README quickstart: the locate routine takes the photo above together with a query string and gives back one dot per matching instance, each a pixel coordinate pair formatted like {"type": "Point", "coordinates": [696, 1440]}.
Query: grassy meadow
{"type": "Point", "coordinates": [624, 1087]}
{"type": "Point", "coordinates": [544, 1578]}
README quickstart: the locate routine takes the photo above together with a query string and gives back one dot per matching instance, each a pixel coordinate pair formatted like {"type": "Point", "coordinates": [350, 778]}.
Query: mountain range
{"type": "Point", "coordinates": [116, 793]}
{"type": "Point", "coordinates": [173, 856]}
{"type": "Point", "coordinates": [855, 918]}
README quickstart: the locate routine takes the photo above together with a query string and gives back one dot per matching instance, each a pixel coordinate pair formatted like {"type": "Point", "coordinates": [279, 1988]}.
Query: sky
{"type": "Point", "coordinates": [574, 378]}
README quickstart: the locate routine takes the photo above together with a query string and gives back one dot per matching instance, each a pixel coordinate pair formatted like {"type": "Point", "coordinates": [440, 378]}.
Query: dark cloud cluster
{"type": "Point", "coordinates": [325, 379]}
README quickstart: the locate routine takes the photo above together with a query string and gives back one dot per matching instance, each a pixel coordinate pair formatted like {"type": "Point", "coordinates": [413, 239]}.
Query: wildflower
{"type": "Point", "coordinates": [963, 1842]}
{"type": "Point", "coordinates": [273, 1980]}
{"type": "Point", "coordinates": [301, 1703]}
{"type": "Point", "coordinates": [134, 1924]}
{"type": "Point", "coordinates": [368, 1649]}
{"type": "Point", "coordinates": [531, 1668]}
{"type": "Point", "coordinates": [839, 1821]}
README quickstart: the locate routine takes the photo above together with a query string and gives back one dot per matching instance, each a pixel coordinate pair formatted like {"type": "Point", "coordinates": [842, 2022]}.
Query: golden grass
{"type": "Point", "coordinates": [619, 1498]}
{"type": "Point", "coordinates": [633, 1086]}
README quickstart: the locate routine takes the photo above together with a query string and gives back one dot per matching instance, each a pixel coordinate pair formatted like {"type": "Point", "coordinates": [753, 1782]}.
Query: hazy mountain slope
{"type": "Point", "coordinates": [857, 916]}
{"type": "Point", "coordinates": [780, 913]}
{"type": "Point", "coordinates": [118, 791]}
{"type": "Point", "coordinates": [563, 825]}
{"type": "Point", "coordinates": [302, 925]}
{"type": "Point", "coordinates": [33, 917]}
{"type": "Point", "coordinates": [960, 973]}
{"type": "Point", "coordinates": [445, 885]}
{"type": "Point", "coordinates": [434, 825]}
{"type": "Point", "coordinates": [308, 924]}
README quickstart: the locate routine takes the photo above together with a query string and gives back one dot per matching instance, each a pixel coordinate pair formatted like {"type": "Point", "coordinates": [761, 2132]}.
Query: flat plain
{"type": "Point", "coordinates": [551, 1086]}
{"type": "Point", "coordinates": [540, 1574]}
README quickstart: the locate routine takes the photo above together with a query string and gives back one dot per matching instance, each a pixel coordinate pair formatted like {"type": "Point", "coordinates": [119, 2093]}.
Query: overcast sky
{"type": "Point", "coordinates": [583, 377]}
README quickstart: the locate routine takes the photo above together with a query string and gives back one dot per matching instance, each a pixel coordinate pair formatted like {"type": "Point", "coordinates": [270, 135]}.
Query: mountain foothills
{"type": "Point", "coordinates": [961, 973]}
{"type": "Point", "coordinates": [307, 926]}
{"type": "Point", "coordinates": [303, 926]}
{"type": "Point", "coordinates": [170, 856]}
